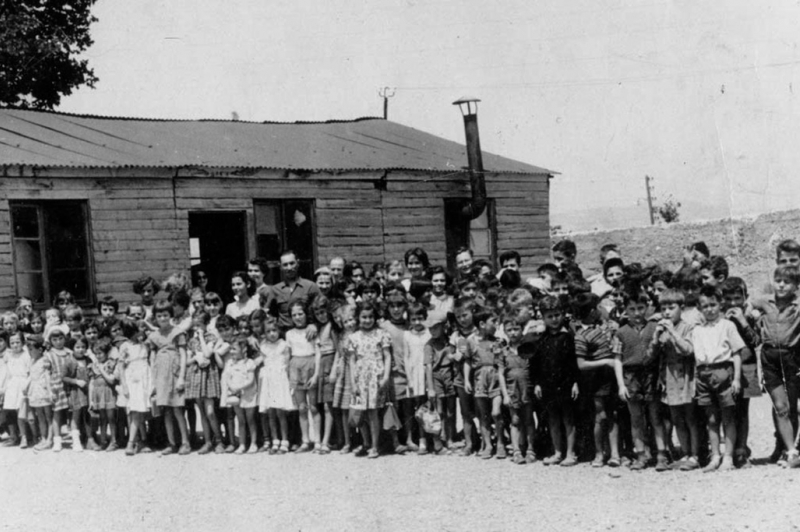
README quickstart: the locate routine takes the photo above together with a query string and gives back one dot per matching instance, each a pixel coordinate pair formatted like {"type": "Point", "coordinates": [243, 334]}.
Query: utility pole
{"type": "Point", "coordinates": [384, 93]}
{"type": "Point", "coordinates": [647, 183]}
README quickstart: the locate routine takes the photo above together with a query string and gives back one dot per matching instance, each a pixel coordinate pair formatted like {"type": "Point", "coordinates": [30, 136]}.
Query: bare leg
{"type": "Point", "coordinates": [326, 437]}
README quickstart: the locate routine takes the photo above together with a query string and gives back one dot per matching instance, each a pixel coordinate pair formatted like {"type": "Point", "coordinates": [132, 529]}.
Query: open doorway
{"type": "Point", "coordinates": [218, 247]}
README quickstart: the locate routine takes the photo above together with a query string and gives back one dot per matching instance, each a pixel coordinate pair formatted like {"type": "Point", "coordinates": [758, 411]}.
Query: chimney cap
{"type": "Point", "coordinates": [465, 99]}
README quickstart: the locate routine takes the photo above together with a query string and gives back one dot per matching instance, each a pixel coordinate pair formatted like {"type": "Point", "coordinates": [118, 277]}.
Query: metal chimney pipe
{"type": "Point", "coordinates": [477, 183]}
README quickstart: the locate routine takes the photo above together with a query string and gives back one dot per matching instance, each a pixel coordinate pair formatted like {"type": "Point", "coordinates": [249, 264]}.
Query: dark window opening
{"type": "Point", "coordinates": [285, 224]}
{"type": "Point", "coordinates": [479, 235]}
{"type": "Point", "coordinates": [50, 241]}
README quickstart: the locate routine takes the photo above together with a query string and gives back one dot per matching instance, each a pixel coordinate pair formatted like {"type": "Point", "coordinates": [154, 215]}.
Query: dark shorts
{"type": "Point", "coordinates": [487, 383]}
{"type": "Point", "coordinates": [640, 382]}
{"type": "Point", "coordinates": [444, 382]}
{"type": "Point", "coordinates": [518, 385]}
{"type": "Point", "coordinates": [325, 388]}
{"type": "Point", "coordinates": [600, 382]}
{"type": "Point", "coordinates": [779, 364]}
{"type": "Point", "coordinates": [750, 385]}
{"type": "Point", "coordinates": [714, 385]}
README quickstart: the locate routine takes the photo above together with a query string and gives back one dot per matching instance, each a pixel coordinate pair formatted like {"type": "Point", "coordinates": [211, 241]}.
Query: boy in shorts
{"type": "Point", "coordinates": [440, 375]}
{"type": "Point", "coordinates": [554, 375]}
{"type": "Point", "coordinates": [514, 373]}
{"type": "Point", "coordinates": [717, 352]}
{"type": "Point", "coordinates": [734, 293]}
{"type": "Point", "coordinates": [637, 371]}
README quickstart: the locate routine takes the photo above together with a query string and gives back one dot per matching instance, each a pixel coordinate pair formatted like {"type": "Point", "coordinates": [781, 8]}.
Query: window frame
{"type": "Point", "coordinates": [41, 206]}
{"type": "Point", "coordinates": [280, 205]}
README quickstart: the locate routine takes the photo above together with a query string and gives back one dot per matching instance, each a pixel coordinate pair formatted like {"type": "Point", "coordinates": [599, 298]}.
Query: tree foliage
{"type": "Point", "coordinates": [40, 45]}
{"type": "Point", "coordinates": [669, 211]}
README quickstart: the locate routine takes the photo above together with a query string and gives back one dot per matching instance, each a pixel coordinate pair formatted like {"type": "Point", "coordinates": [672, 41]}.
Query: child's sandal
{"type": "Point", "coordinates": [284, 448]}
{"type": "Point", "coordinates": [598, 462]}
{"type": "Point", "coordinates": [518, 458]}
{"type": "Point", "coordinates": [324, 449]}
{"type": "Point", "coordinates": [613, 462]}
{"type": "Point", "coordinates": [304, 448]}
{"type": "Point", "coordinates": [345, 450]}
{"type": "Point", "coordinates": [373, 453]}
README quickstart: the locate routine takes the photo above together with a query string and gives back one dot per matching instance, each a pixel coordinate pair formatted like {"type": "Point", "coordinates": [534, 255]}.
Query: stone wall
{"type": "Point", "coordinates": [747, 243]}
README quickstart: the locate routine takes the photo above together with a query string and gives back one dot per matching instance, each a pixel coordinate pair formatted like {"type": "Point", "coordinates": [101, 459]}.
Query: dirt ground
{"type": "Point", "coordinates": [70, 491]}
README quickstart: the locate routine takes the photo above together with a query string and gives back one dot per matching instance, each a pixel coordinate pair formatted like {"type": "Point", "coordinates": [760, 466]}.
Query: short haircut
{"type": "Point", "coordinates": [129, 328]}
{"type": "Point", "coordinates": [225, 322]}
{"type": "Point", "coordinates": [567, 247]}
{"type": "Point", "coordinates": [260, 263]}
{"type": "Point", "coordinates": [212, 298]}
{"type": "Point", "coordinates": [717, 265]}
{"type": "Point", "coordinates": [664, 276]}
{"type": "Point", "coordinates": [481, 315]}
{"type": "Point", "coordinates": [182, 298]}
{"type": "Point", "coordinates": [711, 292]}
{"type": "Point", "coordinates": [548, 268]}
{"type": "Point", "coordinates": [91, 323]}
{"type": "Point", "coordinates": [510, 279]}
{"type": "Point", "coordinates": [464, 303]}
{"type": "Point", "coordinates": [510, 255]}
{"type": "Point", "coordinates": [439, 270]}
{"type": "Point", "coordinates": [415, 309]}
{"type": "Point", "coordinates": [671, 296]}
{"type": "Point", "coordinates": [63, 297]}
{"type": "Point", "coordinates": [734, 285]}
{"type": "Point", "coordinates": [788, 245]}
{"type": "Point", "coordinates": [204, 316]}
{"type": "Point", "coordinates": [352, 266]}
{"type": "Point", "coordinates": [508, 317]}
{"type": "Point", "coordinates": [701, 247]}
{"type": "Point", "coordinates": [633, 293]}
{"type": "Point", "coordinates": [550, 304]}
{"type": "Point", "coordinates": [73, 312]}
{"type": "Point", "coordinates": [606, 249]}
{"type": "Point", "coordinates": [248, 282]}
{"type": "Point", "coordinates": [584, 304]}
{"type": "Point", "coordinates": [163, 306]}
{"type": "Point", "coordinates": [35, 340]}
{"type": "Point", "coordinates": [394, 286]}
{"type": "Point", "coordinates": [520, 298]}
{"type": "Point", "coordinates": [419, 287]}
{"type": "Point", "coordinates": [787, 273]}
{"type": "Point", "coordinates": [287, 252]}
{"type": "Point", "coordinates": [611, 263]}
{"type": "Point", "coordinates": [9, 316]}
{"type": "Point", "coordinates": [559, 278]}
{"type": "Point", "coordinates": [688, 280]}
{"type": "Point", "coordinates": [108, 301]}
{"type": "Point", "coordinates": [465, 281]}
{"type": "Point", "coordinates": [143, 282]}
{"type": "Point", "coordinates": [464, 249]}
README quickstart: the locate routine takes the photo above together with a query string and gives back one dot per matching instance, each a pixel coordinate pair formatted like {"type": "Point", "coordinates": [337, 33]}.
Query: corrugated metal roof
{"type": "Point", "coordinates": [49, 139]}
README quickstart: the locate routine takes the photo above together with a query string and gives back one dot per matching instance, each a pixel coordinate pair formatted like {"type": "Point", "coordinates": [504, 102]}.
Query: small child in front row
{"type": "Point", "coordinates": [102, 401]}
{"type": "Point", "coordinates": [481, 360]}
{"type": "Point", "coordinates": [514, 373]}
{"type": "Point", "coordinates": [413, 353]}
{"type": "Point", "coordinates": [76, 379]}
{"type": "Point", "coordinates": [134, 359]}
{"type": "Point", "coordinates": [275, 398]}
{"type": "Point", "coordinates": [243, 393]}
{"type": "Point", "coordinates": [734, 293]}
{"type": "Point", "coordinates": [717, 352]}
{"type": "Point", "coordinates": [440, 375]}
{"type": "Point", "coordinates": [40, 393]}
{"type": "Point", "coordinates": [554, 375]}
{"type": "Point", "coordinates": [637, 373]}
{"type": "Point", "coordinates": [326, 340]}
{"type": "Point", "coordinates": [672, 345]}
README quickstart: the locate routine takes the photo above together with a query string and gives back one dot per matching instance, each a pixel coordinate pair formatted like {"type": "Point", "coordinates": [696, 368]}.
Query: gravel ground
{"type": "Point", "coordinates": [69, 491]}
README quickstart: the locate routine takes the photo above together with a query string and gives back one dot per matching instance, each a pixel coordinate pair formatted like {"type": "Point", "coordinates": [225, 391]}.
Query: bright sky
{"type": "Point", "coordinates": [699, 94]}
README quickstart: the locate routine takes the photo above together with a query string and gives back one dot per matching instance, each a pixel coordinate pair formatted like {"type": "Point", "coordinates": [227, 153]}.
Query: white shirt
{"type": "Point", "coordinates": [716, 342]}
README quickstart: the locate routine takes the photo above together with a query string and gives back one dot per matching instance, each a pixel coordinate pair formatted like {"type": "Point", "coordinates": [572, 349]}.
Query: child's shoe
{"type": "Point", "coordinates": [230, 448]}
{"type": "Point", "coordinates": [486, 454]}
{"type": "Point", "coordinates": [253, 449]}
{"type": "Point", "coordinates": [284, 448]}
{"type": "Point", "coordinates": [501, 454]}
{"type": "Point", "coordinates": [205, 449]}
{"type": "Point", "coordinates": [530, 458]}
{"type": "Point", "coordinates": [638, 464]}
{"type": "Point", "coordinates": [518, 458]}
{"type": "Point", "coordinates": [130, 449]}
{"type": "Point", "coordinates": [185, 449]}
{"type": "Point", "coordinates": [113, 446]}
{"type": "Point", "coordinates": [373, 453]}
{"type": "Point", "coordinates": [57, 445]}
{"type": "Point", "coordinates": [92, 445]}
{"type": "Point", "coordinates": [422, 450]}
{"type": "Point", "coordinates": [400, 449]}
{"type": "Point", "coordinates": [347, 450]}
{"type": "Point", "coordinates": [219, 448]}
{"type": "Point", "coordinates": [727, 464]}
{"type": "Point", "coordinates": [661, 463]}
{"type": "Point", "coordinates": [713, 464]}
{"type": "Point", "coordinates": [553, 460]}
{"type": "Point", "coordinates": [304, 448]}
{"type": "Point", "coordinates": [23, 442]}
{"type": "Point", "coordinates": [240, 450]}
{"type": "Point", "coordinates": [569, 461]}
{"type": "Point", "coordinates": [793, 460]}
{"type": "Point", "coordinates": [413, 447]}
{"type": "Point", "coordinates": [76, 441]}
{"type": "Point", "coordinates": [11, 442]}
{"type": "Point", "coordinates": [690, 464]}
{"type": "Point", "coordinates": [168, 450]}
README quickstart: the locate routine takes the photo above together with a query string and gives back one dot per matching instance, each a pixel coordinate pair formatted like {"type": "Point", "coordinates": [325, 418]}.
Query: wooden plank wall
{"type": "Point", "coordinates": [138, 227]}
{"type": "Point", "coordinates": [133, 226]}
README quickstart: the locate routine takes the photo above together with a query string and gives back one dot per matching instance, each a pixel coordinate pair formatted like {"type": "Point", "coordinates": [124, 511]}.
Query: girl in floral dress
{"type": "Point", "coordinates": [369, 349]}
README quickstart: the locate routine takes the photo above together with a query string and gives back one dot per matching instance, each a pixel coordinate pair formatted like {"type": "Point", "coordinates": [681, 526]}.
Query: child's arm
{"type": "Point", "coordinates": [428, 360]}
{"type": "Point", "coordinates": [682, 345]}
{"type": "Point", "coordinates": [108, 377]}
{"type": "Point", "coordinates": [572, 365]}
{"type": "Point", "coordinates": [387, 365]}
{"type": "Point", "coordinates": [317, 362]}
{"type": "Point", "coordinates": [337, 359]}
{"type": "Point", "coordinates": [180, 382]}
{"type": "Point", "coordinates": [616, 348]}
{"type": "Point", "coordinates": [736, 386]}
{"type": "Point", "coordinates": [501, 374]}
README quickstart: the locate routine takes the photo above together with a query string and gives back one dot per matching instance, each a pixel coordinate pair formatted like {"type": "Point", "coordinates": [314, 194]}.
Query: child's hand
{"type": "Point", "coordinates": [735, 313]}
{"type": "Point", "coordinates": [432, 395]}
{"type": "Point", "coordinates": [311, 332]}
{"type": "Point", "coordinates": [80, 383]}
{"type": "Point", "coordinates": [312, 381]}
{"type": "Point", "coordinates": [623, 393]}
{"type": "Point", "coordinates": [385, 382]}
{"type": "Point", "coordinates": [736, 387]}
{"type": "Point", "coordinates": [506, 400]}
{"type": "Point", "coordinates": [332, 377]}
{"type": "Point", "coordinates": [180, 384]}
{"type": "Point", "coordinates": [575, 391]}
{"type": "Point", "coordinates": [537, 391]}
{"type": "Point", "coordinates": [468, 387]}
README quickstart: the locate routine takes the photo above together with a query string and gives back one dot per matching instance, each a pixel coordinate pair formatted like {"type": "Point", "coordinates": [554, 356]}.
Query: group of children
{"type": "Point", "coordinates": [557, 367]}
